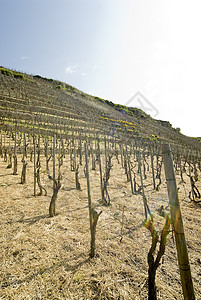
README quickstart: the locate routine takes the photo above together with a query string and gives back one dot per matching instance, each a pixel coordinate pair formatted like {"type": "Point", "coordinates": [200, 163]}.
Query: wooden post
{"type": "Point", "coordinates": [92, 157]}
{"type": "Point", "coordinates": [144, 167]}
{"type": "Point", "coordinates": [192, 191]}
{"type": "Point", "coordinates": [101, 176]}
{"type": "Point", "coordinates": [53, 157]}
{"type": "Point", "coordinates": [46, 152]}
{"type": "Point", "coordinates": [87, 175]}
{"type": "Point", "coordinates": [122, 164]}
{"type": "Point", "coordinates": [25, 146]}
{"type": "Point", "coordinates": [127, 162]}
{"type": "Point", "coordinates": [80, 146]}
{"type": "Point", "coordinates": [129, 170]}
{"type": "Point", "coordinates": [23, 175]}
{"type": "Point", "coordinates": [34, 140]}
{"type": "Point", "coordinates": [4, 139]}
{"type": "Point", "coordinates": [77, 184]}
{"type": "Point", "coordinates": [1, 146]}
{"type": "Point", "coordinates": [105, 156]}
{"type": "Point", "coordinates": [74, 157]}
{"type": "Point", "coordinates": [152, 168]}
{"type": "Point", "coordinates": [146, 209]}
{"type": "Point", "coordinates": [129, 177]}
{"type": "Point", "coordinates": [177, 225]}
{"type": "Point", "coordinates": [71, 156]}
{"type": "Point", "coordinates": [15, 153]}
{"type": "Point", "coordinates": [9, 153]}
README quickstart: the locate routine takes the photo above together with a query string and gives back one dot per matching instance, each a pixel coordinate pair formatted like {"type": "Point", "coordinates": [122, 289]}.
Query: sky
{"type": "Point", "coordinates": [144, 53]}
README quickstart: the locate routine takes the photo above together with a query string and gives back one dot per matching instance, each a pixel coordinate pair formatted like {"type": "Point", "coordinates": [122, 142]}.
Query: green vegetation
{"type": "Point", "coordinates": [59, 87]}
{"type": "Point", "coordinates": [40, 77]}
{"type": "Point", "coordinates": [7, 72]}
{"type": "Point", "coordinates": [18, 75]}
{"type": "Point", "coordinates": [131, 111]}
{"type": "Point", "coordinates": [165, 123]}
{"type": "Point", "coordinates": [58, 84]}
{"type": "Point", "coordinates": [120, 123]}
{"type": "Point", "coordinates": [99, 99]}
{"type": "Point", "coordinates": [153, 137]}
{"type": "Point", "coordinates": [177, 129]}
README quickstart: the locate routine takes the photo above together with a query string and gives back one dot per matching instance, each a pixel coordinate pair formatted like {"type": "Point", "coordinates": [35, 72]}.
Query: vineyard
{"type": "Point", "coordinates": [84, 196]}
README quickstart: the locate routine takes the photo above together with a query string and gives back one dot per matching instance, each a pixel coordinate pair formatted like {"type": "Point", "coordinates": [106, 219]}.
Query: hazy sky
{"type": "Point", "coordinates": [112, 49]}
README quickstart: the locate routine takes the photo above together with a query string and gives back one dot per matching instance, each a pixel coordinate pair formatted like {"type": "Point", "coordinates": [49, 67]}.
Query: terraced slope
{"type": "Point", "coordinates": [56, 106]}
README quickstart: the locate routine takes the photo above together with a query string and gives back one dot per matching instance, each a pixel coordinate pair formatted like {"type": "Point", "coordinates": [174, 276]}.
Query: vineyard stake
{"type": "Point", "coordinates": [76, 171]}
{"type": "Point", "coordinates": [15, 153]}
{"type": "Point", "coordinates": [193, 196]}
{"type": "Point", "coordinates": [146, 209]}
{"type": "Point", "coordinates": [122, 164]}
{"type": "Point", "coordinates": [101, 176]}
{"type": "Point", "coordinates": [87, 175]}
{"type": "Point", "coordinates": [46, 152]}
{"type": "Point", "coordinates": [23, 175]}
{"type": "Point", "coordinates": [177, 224]}
{"type": "Point", "coordinates": [53, 157]}
{"type": "Point", "coordinates": [105, 156]}
{"type": "Point", "coordinates": [1, 146]}
{"type": "Point", "coordinates": [80, 149]}
{"type": "Point", "coordinates": [34, 140]}
{"type": "Point", "coordinates": [152, 168]}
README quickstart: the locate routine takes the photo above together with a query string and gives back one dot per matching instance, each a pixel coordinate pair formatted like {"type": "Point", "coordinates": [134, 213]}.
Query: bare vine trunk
{"type": "Point", "coordinates": [15, 165]}
{"type": "Point", "coordinates": [152, 284]}
{"type": "Point", "coordinates": [155, 263]}
{"type": "Point", "coordinates": [52, 207]}
{"type": "Point", "coordinates": [23, 175]}
{"type": "Point", "coordinates": [93, 215]}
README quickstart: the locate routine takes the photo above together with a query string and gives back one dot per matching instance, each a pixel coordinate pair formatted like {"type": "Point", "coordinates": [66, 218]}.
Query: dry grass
{"type": "Point", "coordinates": [48, 258]}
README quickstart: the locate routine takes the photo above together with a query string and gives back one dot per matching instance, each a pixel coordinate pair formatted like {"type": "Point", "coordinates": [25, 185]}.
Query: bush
{"type": "Point", "coordinates": [58, 87]}
{"type": "Point", "coordinates": [37, 76]}
{"type": "Point", "coordinates": [6, 72]}
{"type": "Point", "coordinates": [20, 76]}
{"type": "Point", "coordinates": [46, 79]}
{"type": "Point", "coordinates": [49, 79]}
{"type": "Point", "coordinates": [177, 129]}
{"type": "Point", "coordinates": [99, 99]}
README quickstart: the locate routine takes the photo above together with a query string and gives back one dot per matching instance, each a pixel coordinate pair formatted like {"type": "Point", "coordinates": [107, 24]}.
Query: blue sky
{"type": "Point", "coordinates": [112, 49]}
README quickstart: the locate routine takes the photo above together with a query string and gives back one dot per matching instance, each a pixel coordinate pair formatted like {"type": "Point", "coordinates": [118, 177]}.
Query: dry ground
{"type": "Point", "coordinates": [48, 258]}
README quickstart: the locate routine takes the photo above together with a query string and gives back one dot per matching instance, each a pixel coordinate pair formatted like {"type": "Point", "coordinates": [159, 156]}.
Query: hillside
{"type": "Point", "coordinates": [70, 161]}
{"type": "Point", "coordinates": [30, 98]}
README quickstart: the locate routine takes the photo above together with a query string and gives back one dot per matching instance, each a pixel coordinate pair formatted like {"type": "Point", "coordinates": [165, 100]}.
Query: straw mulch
{"type": "Point", "coordinates": [48, 258]}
